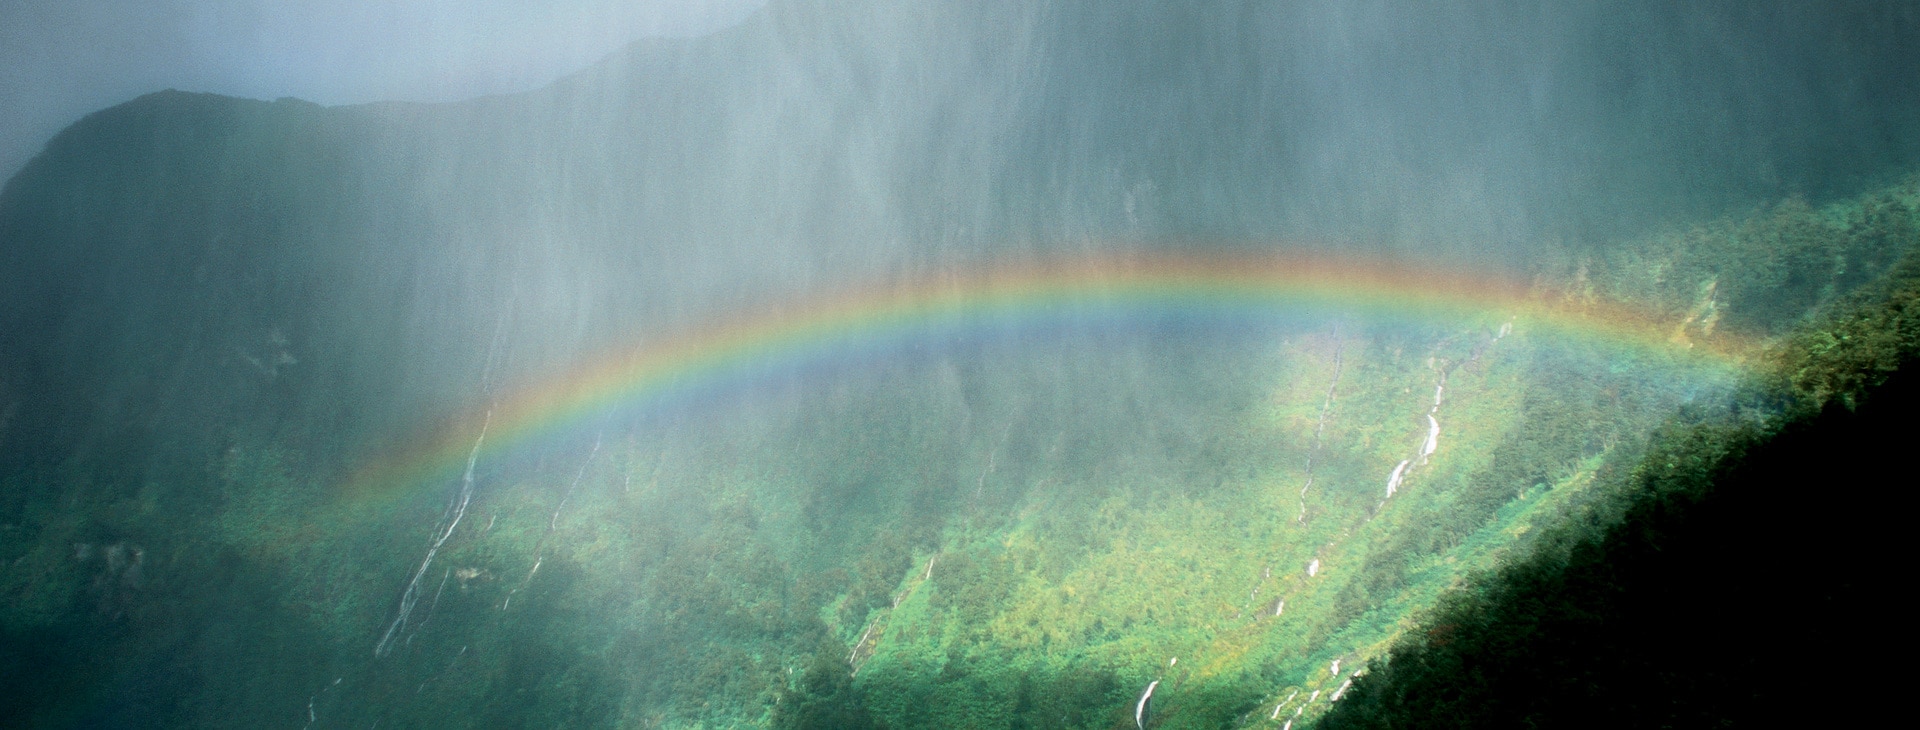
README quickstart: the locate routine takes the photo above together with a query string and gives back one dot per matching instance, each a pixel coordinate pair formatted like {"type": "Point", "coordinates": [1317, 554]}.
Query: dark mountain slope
{"type": "Point", "coordinates": [161, 276]}
{"type": "Point", "coordinates": [1746, 578]}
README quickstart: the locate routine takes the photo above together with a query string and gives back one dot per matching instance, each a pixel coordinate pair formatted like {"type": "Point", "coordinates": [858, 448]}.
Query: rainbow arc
{"type": "Point", "coordinates": [953, 303]}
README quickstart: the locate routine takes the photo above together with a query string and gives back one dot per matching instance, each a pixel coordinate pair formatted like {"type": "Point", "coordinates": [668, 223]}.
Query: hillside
{"type": "Point", "coordinates": [877, 366]}
{"type": "Point", "coordinates": [1731, 556]}
{"type": "Point", "coordinates": [992, 532]}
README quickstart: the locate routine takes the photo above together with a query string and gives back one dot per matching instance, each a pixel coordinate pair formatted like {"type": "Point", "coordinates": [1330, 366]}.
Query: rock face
{"type": "Point", "coordinates": [214, 312]}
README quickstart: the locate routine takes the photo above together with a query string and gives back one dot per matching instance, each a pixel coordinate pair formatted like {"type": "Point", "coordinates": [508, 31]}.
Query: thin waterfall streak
{"type": "Point", "coordinates": [1283, 703]}
{"type": "Point", "coordinates": [1326, 405]}
{"type": "Point", "coordinates": [431, 606]}
{"type": "Point", "coordinates": [1431, 442]}
{"type": "Point", "coordinates": [1433, 422]}
{"type": "Point", "coordinates": [496, 348]}
{"type": "Point", "coordinates": [537, 561]}
{"type": "Point", "coordinates": [1399, 474]}
{"type": "Point", "coordinates": [852, 659]}
{"type": "Point", "coordinates": [1140, 709]}
{"type": "Point", "coordinates": [411, 595]}
{"type": "Point", "coordinates": [980, 485]}
{"type": "Point", "coordinates": [1341, 691]}
{"type": "Point", "coordinates": [554, 521]}
{"type": "Point", "coordinates": [1320, 427]}
{"type": "Point", "coordinates": [314, 699]}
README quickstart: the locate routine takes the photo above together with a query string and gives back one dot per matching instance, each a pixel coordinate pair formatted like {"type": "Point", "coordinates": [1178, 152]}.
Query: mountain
{"type": "Point", "coordinates": [972, 366]}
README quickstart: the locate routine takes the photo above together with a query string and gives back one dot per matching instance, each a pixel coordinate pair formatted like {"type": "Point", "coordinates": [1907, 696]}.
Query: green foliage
{"type": "Point", "coordinates": [1664, 564]}
{"type": "Point", "coordinates": [824, 698]}
{"type": "Point", "coordinates": [1763, 272]}
{"type": "Point", "coordinates": [1858, 347]}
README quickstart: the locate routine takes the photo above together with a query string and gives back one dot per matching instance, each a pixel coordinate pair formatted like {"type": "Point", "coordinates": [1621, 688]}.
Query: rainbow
{"type": "Point", "coordinates": [955, 302]}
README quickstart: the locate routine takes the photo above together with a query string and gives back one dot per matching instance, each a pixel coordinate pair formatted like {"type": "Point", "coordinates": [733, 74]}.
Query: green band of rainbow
{"type": "Point", "coordinates": [1055, 289]}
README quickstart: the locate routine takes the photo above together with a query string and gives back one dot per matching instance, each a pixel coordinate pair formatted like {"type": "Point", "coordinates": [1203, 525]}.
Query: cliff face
{"type": "Point", "coordinates": [216, 313]}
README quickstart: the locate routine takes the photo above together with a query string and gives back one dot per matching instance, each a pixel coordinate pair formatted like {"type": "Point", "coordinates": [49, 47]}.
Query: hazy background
{"type": "Point", "coordinates": [60, 59]}
{"type": "Point", "coordinates": [412, 254]}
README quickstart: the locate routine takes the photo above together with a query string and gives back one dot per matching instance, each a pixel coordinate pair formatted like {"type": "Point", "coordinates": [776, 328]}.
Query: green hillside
{"type": "Point", "coordinates": [1016, 534]}
{"type": "Point", "coordinates": [1714, 569]}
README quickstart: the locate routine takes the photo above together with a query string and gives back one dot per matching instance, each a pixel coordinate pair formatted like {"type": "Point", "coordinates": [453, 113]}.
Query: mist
{"type": "Point", "coordinates": [818, 146]}
{"type": "Point", "coordinates": [65, 59]}
{"type": "Point", "coordinates": [857, 363]}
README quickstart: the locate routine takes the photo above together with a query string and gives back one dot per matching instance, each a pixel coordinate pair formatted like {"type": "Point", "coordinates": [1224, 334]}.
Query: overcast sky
{"type": "Point", "coordinates": [61, 59]}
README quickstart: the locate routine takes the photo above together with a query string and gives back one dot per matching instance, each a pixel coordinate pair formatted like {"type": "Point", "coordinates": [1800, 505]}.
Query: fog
{"type": "Point", "coordinates": [61, 60]}
{"type": "Point", "coordinates": [719, 364]}
{"type": "Point", "coordinates": [820, 145]}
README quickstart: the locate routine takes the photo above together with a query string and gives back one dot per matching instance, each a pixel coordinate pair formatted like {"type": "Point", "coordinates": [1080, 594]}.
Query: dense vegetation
{"type": "Point", "coordinates": [1723, 563]}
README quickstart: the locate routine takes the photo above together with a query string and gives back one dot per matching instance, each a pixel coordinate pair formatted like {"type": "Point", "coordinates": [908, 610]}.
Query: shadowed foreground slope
{"type": "Point", "coordinates": [1744, 582]}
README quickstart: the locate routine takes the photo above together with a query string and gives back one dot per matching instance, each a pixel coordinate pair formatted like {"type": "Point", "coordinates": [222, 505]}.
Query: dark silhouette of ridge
{"type": "Point", "coordinates": [1751, 584]}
